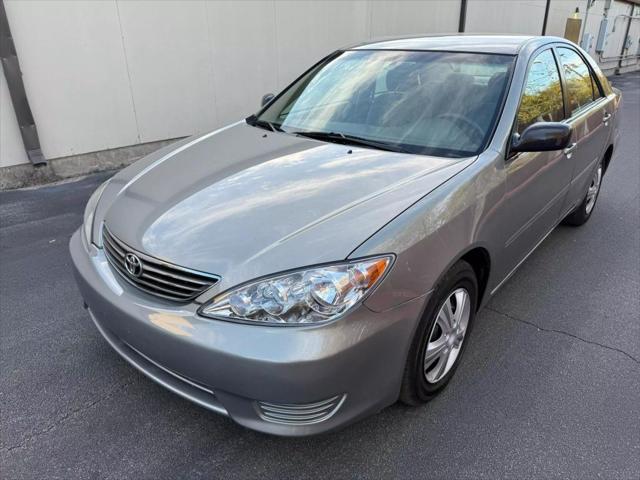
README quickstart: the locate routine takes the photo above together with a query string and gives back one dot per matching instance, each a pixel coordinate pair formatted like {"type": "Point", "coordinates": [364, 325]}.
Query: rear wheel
{"type": "Point", "coordinates": [440, 338]}
{"type": "Point", "coordinates": [583, 212]}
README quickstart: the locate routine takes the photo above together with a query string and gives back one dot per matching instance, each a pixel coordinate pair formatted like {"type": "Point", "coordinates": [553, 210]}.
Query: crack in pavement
{"type": "Point", "coordinates": [64, 418]}
{"type": "Point", "coordinates": [562, 332]}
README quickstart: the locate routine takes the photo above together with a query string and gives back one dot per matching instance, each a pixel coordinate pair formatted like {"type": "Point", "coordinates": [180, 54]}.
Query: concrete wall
{"type": "Point", "coordinates": [106, 74]}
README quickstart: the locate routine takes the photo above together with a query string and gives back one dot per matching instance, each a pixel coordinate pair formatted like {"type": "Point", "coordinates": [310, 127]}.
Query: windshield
{"type": "Point", "coordinates": [432, 103]}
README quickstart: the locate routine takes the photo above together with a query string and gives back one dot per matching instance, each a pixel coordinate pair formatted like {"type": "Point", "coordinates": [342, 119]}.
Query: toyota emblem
{"type": "Point", "coordinates": [133, 265]}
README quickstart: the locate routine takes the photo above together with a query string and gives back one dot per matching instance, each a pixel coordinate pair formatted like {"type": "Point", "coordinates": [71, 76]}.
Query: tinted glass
{"type": "Point", "coordinates": [578, 79]}
{"type": "Point", "coordinates": [434, 103]}
{"type": "Point", "coordinates": [542, 97]}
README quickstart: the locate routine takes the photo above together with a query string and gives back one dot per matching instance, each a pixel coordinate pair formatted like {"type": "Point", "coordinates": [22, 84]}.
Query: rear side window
{"type": "Point", "coordinates": [542, 98]}
{"type": "Point", "coordinates": [578, 79]}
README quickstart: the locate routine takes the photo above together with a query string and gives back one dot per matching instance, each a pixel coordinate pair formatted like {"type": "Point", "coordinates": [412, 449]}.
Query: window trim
{"type": "Point", "coordinates": [594, 76]}
{"type": "Point", "coordinates": [563, 85]}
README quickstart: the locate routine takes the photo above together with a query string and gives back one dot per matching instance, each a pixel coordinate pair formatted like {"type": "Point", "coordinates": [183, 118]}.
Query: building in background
{"type": "Point", "coordinates": [109, 81]}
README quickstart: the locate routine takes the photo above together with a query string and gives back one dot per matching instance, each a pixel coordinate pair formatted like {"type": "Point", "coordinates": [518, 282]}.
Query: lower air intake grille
{"type": "Point", "coordinates": [300, 413]}
{"type": "Point", "coordinates": [152, 275]}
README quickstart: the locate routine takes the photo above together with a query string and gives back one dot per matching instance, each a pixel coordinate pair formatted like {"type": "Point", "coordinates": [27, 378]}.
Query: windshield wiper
{"type": "Point", "coordinates": [352, 140]}
{"type": "Point", "coordinates": [252, 120]}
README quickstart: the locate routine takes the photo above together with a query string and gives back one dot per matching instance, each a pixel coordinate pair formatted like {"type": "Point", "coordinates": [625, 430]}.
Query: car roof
{"type": "Point", "coordinates": [501, 44]}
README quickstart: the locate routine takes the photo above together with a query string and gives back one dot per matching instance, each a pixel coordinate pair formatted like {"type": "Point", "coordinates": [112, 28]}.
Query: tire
{"type": "Point", "coordinates": [583, 212]}
{"type": "Point", "coordinates": [422, 380]}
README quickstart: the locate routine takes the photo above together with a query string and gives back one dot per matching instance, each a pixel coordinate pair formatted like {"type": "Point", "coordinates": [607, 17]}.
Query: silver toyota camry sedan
{"type": "Point", "coordinates": [326, 257]}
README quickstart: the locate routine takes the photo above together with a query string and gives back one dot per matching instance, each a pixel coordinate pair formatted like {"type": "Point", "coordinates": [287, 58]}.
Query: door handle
{"type": "Point", "coordinates": [606, 117]}
{"type": "Point", "coordinates": [570, 149]}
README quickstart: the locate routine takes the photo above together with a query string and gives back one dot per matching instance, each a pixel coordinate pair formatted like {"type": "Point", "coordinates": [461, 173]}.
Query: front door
{"type": "Point", "coordinates": [536, 182]}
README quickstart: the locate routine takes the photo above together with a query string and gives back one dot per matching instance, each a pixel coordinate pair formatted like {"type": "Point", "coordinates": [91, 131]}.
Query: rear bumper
{"type": "Point", "coordinates": [278, 380]}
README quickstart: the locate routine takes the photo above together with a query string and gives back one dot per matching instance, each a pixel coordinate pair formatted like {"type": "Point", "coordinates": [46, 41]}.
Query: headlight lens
{"type": "Point", "coordinates": [89, 212]}
{"type": "Point", "coordinates": [308, 296]}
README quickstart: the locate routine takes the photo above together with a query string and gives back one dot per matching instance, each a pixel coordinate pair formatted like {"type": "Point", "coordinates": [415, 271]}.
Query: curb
{"type": "Point", "coordinates": [57, 169]}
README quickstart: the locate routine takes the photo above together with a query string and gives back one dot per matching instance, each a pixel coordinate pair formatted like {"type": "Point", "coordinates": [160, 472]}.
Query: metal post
{"type": "Point", "coordinates": [624, 39]}
{"type": "Point", "coordinates": [463, 16]}
{"type": "Point", "coordinates": [546, 17]}
{"type": "Point", "coordinates": [13, 74]}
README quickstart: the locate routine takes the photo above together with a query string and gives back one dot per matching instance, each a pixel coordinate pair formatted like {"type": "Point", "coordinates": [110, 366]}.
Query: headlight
{"type": "Point", "coordinates": [308, 296]}
{"type": "Point", "coordinates": [89, 211]}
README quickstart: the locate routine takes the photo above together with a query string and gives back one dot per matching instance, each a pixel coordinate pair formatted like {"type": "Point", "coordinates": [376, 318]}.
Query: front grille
{"type": "Point", "coordinates": [300, 413]}
{"type": "Point", "coordinates": [154, 276]}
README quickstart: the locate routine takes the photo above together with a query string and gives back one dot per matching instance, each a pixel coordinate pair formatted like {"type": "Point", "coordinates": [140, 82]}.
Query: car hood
{"type": "Point", "coordinates": [242, 202]}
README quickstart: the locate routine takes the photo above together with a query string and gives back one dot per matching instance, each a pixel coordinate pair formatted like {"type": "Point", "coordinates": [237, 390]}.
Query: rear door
{"type": "Point", "coordinates": [588, 112]}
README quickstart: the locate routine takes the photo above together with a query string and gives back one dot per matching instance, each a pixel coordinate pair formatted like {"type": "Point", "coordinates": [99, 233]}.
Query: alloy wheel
{"type": "Point", "coordinates": [592, 192]}
{"type": "Point", "coordinates": [447, 335]}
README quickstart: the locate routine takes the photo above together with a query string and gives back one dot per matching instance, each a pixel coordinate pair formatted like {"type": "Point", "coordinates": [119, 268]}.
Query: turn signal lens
{"type": "Point", "coordinates": [306, 296]}
{"type": "Point", "coordinates": [89, 211]}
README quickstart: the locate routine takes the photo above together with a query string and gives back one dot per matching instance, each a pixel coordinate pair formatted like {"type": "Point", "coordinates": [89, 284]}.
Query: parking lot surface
{"type": "Point", "coordinates": [549, 386]}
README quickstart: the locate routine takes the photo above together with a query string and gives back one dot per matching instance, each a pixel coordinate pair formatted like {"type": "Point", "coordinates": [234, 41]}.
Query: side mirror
{"type": "Point", "coordinates": [542, 137]}
{"type": "Point", "coordinates": [266, 98]}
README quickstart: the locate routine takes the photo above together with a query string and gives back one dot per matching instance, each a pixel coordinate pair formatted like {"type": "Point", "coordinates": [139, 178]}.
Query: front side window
{"type": "Point", "coordinates": [542, 97]}
{"type": "Point", "coordinates": [432, 103]}
{"type": "Point", "coordinates": [577, 78]}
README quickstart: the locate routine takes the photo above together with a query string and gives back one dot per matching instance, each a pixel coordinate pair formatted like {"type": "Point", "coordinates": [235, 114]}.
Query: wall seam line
{"type": "Point", "coordinates": [275, 37]}
{"type": "Point", "coordinates": [126, 64]}
{"type": "Point", "coordinates": [216, 123]}
{"type": "Point", "coordinates": [370, 19]}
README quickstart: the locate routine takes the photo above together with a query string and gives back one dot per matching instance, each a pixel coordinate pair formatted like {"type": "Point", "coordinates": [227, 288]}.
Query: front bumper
{"type": "Point", "coordinates": [351, 367]}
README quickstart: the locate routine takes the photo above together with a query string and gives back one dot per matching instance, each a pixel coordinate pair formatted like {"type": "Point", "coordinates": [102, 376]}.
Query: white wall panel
{"type": "Point", "coordinates": [414, 17]}
{"type": "Point", "coordinates": [308, 31]}
{"type": "Point", "coordinates": [74, 73]}
{"type": "Point", "coordinates": [634, 33]}
{"type": "Point", "coordinates": [167, 48]}
{"type": "Point", "coordinates": [243, 56]}
{"type": "Point", "coordinates": [12, 150]}
{"type": "Point", "coordinates": [505, 16]}
{"type": "Point", "coordinates": [560, 10]}
{"type": "Point", "coordinates": [111, 73]}
{"type": "Point", "coordinates": [616, 38]}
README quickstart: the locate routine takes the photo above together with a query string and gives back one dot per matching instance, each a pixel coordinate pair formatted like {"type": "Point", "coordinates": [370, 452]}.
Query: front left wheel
{"type": "Point", "coordinates": [441, 336]}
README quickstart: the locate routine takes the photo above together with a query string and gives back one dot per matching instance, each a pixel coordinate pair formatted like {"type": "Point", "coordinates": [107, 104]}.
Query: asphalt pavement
{"type": "Point", "coordinates": [549, 386]}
